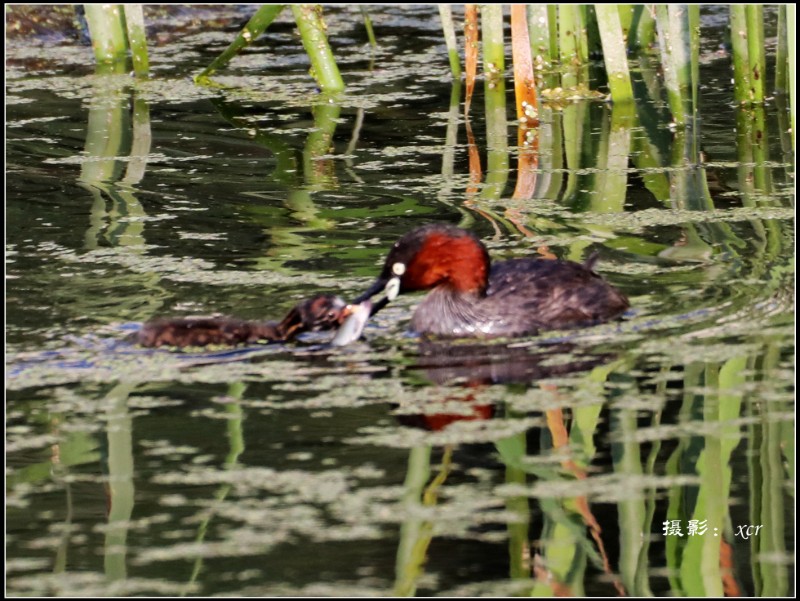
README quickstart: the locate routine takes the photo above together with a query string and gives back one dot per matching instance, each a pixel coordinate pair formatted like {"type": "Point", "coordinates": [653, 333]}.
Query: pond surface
{"type": "Point", "coordinates": [653, 456]}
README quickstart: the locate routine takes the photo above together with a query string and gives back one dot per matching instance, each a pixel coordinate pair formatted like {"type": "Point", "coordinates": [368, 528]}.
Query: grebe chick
{"type": "Point", "coordinates": [321, 312]}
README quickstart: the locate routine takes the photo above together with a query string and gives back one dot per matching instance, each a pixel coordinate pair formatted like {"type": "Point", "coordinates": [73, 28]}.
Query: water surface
{"type": "Point", "coordinates": [566, 463]}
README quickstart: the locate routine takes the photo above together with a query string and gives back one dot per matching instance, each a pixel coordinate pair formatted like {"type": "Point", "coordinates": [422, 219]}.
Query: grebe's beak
{"type": "Point", "coordinates": [391, 288]}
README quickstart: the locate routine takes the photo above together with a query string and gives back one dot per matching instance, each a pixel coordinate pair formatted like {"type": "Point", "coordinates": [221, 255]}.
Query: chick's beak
{"type": "Point", "coordinates": [355, 317]}
{"type": "Point", "coordinates": [342, 315]}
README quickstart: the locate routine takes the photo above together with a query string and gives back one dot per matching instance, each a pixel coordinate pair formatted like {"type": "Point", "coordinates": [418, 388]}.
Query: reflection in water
{"type": "Point", "coordinates": [472, 363]}
{"type": "Point", "coordinates": [120, 481]}
{"type": "Point", "coordinates": [313, 172]}
{"type": "Point", "coordinates": [475, 366]}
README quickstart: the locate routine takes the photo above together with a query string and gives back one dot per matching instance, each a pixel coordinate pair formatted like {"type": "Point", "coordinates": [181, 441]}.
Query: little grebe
{"type": "Point", "coordinates": [510, 298]}
{"type": "Point", "coordinates": [321, 312]}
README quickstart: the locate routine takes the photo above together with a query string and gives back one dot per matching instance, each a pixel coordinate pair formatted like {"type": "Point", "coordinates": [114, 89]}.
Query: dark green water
{"type": "Point", "coordinates": [543, 465]}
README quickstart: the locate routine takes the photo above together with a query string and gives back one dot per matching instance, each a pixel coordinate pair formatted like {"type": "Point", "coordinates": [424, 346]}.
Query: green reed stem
{"type": "Point", "coordinates": [552, 26]}
{"type": "Point", "coordinates": [755, 52]}
{"type": "Point", "coordinates": [749, 64]}
{"type": "Point", "coordinates": [451, 139]}
{"type": "Point", "coordinates": [543, 30]}
{"type": "Point", "coordinates": [568, 25]}
{"type": "Point", "coordinates": [587, 21]}
{"type": "Point", "coordinates": [493, 46]}
{"type": "Point", "coordinates": [496, 121]}
{"type": "Point", "coordinates": [741, 62]}
{"type": "Point", "coordinates": [254, 28]}
{"type": "Point", "coordinates": [569, 45]}
{"type": "Point", "coordinates": [625, 13]}
{"type": "Point", "coordinates": [781, 52]}
{"type": "Point", "coordinates": [539, 30]}
{"type": "Point", "coordinates": [315, 41]}
{"type": "Point", "coordinates": [446, 15]}
{"type": "Point", "coordinates": [614, 53]}
{"type": "Point", "coordinates": [107, 29]}
{"type": "Point", "coordinates": [675, 43]}
{"type": "Point", "coordinates": [694, 54]}
{"type": "Point", "coordinates": [368, 26]}
{"type": "Point", "coordinates": [591, 35]}
{"type": "Point", "coordinates": [642, 34]}
{"type": "Point", "coordinates": [134, 20]}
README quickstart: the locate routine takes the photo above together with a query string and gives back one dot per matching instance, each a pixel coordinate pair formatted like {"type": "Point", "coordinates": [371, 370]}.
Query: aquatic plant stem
{"type": "Point", "coordinates": [543, 32]}
{"type": "Point", "coordinates": [781, 60]}
{"type": "Point", "coordinates": [134, 21]}
{"type": "Point", "coordinates": [694, 60]}
{"type": "Point", "coordinates": [448, 28]}
{"type": "Point", "coordinates": [451, 135]}
{"type": "Point", "coordinates": [755, 52]}
{"type": "Point", "coordinates": [569, 47]}
{"type": "Point", "coordinates": [496, 122]}
{"type": "Point", "coordinates": [368, 26]}
{"type": "Point", "coordinates": [642, 32]}
{"type": "Point", "coordinates": [741, 71]}
{"type": "Point", "coordinates": [674, 41]}
{"type": "Point", "coordinates": [539, 30]}
{"type": "Point", "coordinates": [749, 67]}
{"type": "Point", "coordinates": [614, 54]}
{"type": "Point", "coordinates": [254, 28]}
{"type": "Point", "coordinates": [586, 20]}
{"type": "Point", "coordinates": [625, 14]}
{"type": "Point", "coordinates": [493, 47]}
{"type": "Point", "coordinates": [107, 29]}
{"type": "Point", "coordinates": [315, 41]}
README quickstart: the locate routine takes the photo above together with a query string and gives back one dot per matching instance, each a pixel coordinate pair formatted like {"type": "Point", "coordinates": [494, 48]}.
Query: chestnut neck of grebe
{"type": "Point", "coordinates": [456, 260]}
{"type": "Point", "coordinates": [433, 256]}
